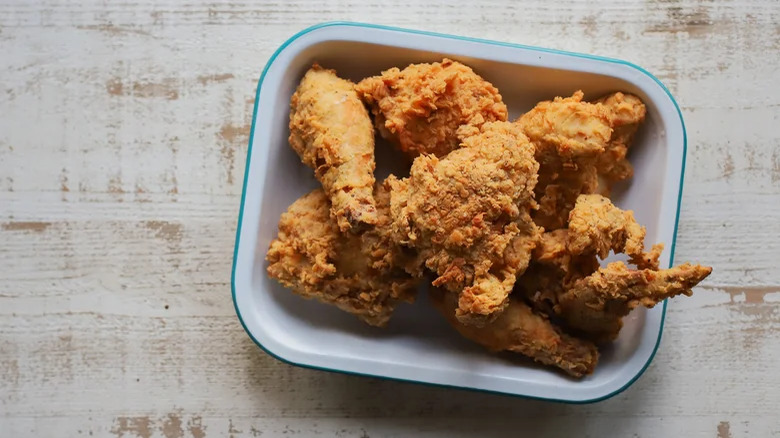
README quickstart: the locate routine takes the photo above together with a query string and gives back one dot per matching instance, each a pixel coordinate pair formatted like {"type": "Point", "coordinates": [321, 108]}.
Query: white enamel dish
{"type": "Point", "coordinates": [418, 345]}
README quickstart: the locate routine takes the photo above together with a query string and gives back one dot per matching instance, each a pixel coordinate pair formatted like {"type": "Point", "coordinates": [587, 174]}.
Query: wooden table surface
{"type": "Point", "coordinates": [123, 135]}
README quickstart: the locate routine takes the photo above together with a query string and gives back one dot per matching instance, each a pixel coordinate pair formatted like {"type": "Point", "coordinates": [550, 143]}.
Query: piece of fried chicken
{"type": "Point", "coordinates": [427, 108]}
{"type": "Point", "coordinates": [596, 304]}
{"type": "Point", "coordinates": [332, 133]}
{"type": "Point", "coordinates": [468, 217]}
{"type": "Point", "coordinates": [581, 149]}
{"type": "Point", "coordinates": [519, 329]}
{"type": "Point", "coordinates": [363, 275]}
{"type": "Point", "coordinates": [564, 278]}
{"type": "Point", "coordinates": [569, 136]}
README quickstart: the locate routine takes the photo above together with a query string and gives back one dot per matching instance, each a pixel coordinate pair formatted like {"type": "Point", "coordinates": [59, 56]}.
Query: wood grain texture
{"type": "Point", "coordinates": [123, 133]}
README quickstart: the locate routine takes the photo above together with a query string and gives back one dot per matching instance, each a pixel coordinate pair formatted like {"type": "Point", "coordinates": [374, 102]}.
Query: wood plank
{"type": "Point", "coordinates": [123, 132]}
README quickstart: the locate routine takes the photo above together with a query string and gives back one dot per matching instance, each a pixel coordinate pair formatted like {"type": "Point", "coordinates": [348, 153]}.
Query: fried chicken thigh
{"type": "Point", "coordinates": [331, 131]}
{"type": "Point", "coordinates": [468, 217]}
{"type": "Point", "coordinates": [427, 108]}
{"type": "Point", "coordinates": [518, 329]}
{"type": "Point", "coordinates": [363, 275]}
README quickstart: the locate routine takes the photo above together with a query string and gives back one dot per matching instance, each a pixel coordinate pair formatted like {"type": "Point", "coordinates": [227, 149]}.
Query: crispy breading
{"type": "Point", "coordinates": [566, 129]}
{"type": "Point", "coordinates": [518, 329]}
{"type": "Point", "coordinates": [331, 131]}
{"type": "Point", "coordinates": [363, 275]}
{"type": "Point", "coordinates": [427, 108]}
{"type": "Point", "coordinates": [489, 206]}
{"type": "Point", "coordinates": [468, 216]}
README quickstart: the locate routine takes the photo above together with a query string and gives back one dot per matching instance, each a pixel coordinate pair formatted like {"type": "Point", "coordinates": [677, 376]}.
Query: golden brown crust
{"type": "Point", "coordinates": [596, 226]}
{"type": "Point", "coordinates": [331, 131]}
{"type": "Point", "coordinates": [567, 128]}
{"type": "Point", "coordinates": [362, 275]}
{"type": "Point", "coordinates": [468, 216]}
{"type": "Point", "coordinates": [520, 330]}
{"type": "Point", "coordinates": [426, 108]}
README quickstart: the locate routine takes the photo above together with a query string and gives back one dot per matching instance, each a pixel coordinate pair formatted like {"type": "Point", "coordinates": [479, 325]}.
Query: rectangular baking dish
{"type": "Point", "coordinates": [418, 345]}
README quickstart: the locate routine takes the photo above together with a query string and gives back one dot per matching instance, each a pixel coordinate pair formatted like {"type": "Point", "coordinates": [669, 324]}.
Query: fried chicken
{"type": "Point", "coordinates": [518, 329]}
{"type": "Point", "coordinates": [361, 274]}
{"type": "Point", "coordinates": [581, 148]}
{"type": "Point", "coordinates": [626, 113]}
{"type": "Point", "coordinates": [427, 108]}
{"type": "Point", "coordinates": [596, 304]}
{"type": "Point", "coordinates": [468, 217]}
{"type": "Point", "coordinates": [489, 206]}
{"type": "Point", "coordinates": [566, 255]}
{"type": "Point", "coordinates": [331, 131]}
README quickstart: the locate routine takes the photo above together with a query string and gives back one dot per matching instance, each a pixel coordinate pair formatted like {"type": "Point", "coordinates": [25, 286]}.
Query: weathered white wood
{"type": "Point", "coordinates": [123, 131]}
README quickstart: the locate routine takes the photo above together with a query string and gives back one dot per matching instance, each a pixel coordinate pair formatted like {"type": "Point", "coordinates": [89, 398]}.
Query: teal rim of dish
{"type": "Point", "coordinates": [476, 40]}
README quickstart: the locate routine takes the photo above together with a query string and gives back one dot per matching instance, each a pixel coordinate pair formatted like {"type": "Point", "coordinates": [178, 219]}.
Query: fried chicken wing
{"type": "Point", "coordinates": [363, 275]}
{"type": "Point", "coordinates": [468, 216]}
{"type": "Point", "coordinates": [427, 108]}
{"type": "Point", "coordinates": [518, 329]}
{"type": "Point", "coordinates": [596, 304]}
{"type": "Point", "coordinates": [566, 255]}
{"type": "Point", "coordinates": [581, 148]}
{"type": "Point", "coordinates": [331, 131]}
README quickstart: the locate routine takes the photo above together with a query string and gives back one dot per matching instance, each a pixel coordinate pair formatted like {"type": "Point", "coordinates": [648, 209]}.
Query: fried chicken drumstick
{"type": "Point", "coordinates": [331, 131]}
